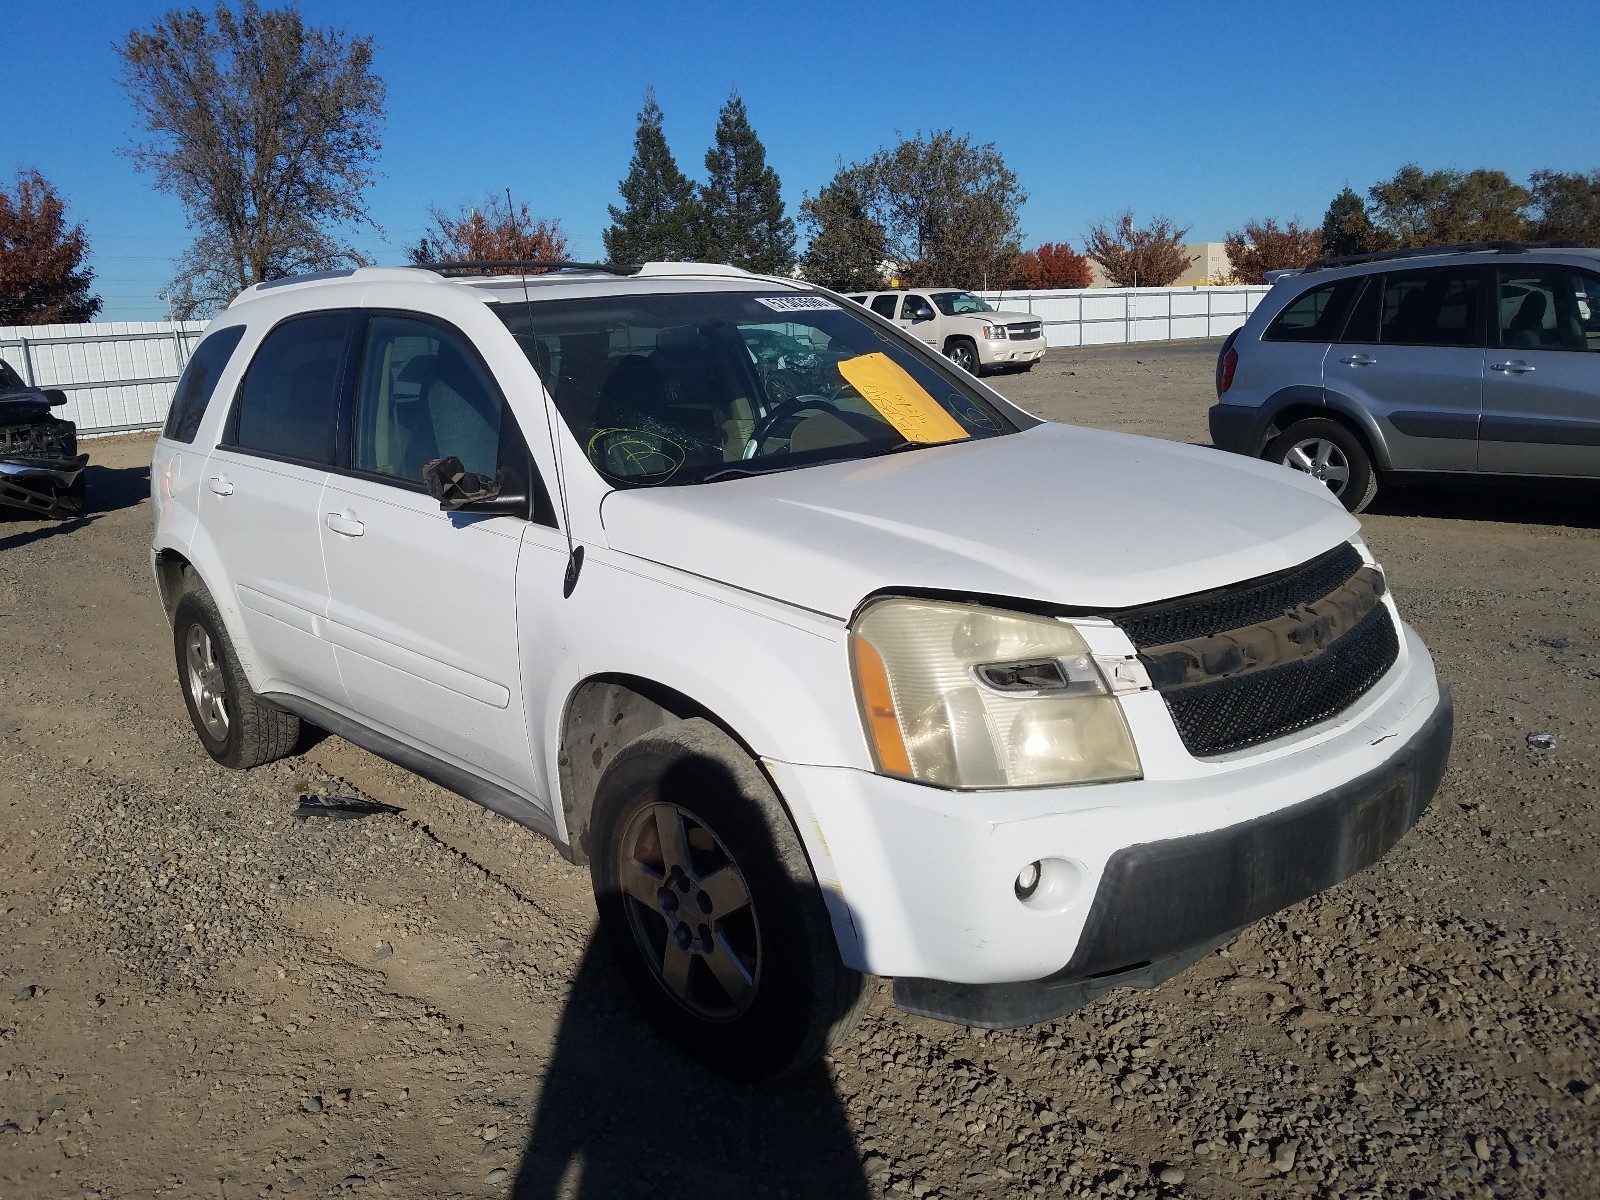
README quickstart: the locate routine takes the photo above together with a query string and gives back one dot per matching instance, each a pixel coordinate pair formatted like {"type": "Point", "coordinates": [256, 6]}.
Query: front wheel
{"type": "Point", "coordinates": [1328, 452]}
{"type": "Point", "coordinates": [710, 909]}
{"type": "Point", "coordinates": [963, 353]}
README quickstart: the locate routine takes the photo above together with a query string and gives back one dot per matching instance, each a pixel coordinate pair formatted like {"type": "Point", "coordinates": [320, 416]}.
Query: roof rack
{"type": "Point", "coordinates": [1497, 247]}
{"type": "Point", "coordinates": [485, 265]}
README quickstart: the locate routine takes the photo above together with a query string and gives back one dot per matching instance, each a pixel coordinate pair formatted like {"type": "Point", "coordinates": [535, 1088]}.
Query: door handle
{"type": "Point", "coordinates": [1515, 367]}
{"type": "Point", "coordinates": [221, 485]}
{"type": "Point", "coordinates": [1359, 360]}
{"type": "Point", "coordinates": [345, 522]}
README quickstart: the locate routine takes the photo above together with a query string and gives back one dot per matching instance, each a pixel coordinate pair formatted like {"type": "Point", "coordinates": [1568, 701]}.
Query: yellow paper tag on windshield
{"type": "Point", "coordinates": [900, 399]}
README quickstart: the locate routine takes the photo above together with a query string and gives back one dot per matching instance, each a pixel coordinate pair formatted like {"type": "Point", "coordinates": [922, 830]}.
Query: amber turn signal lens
{"type": "Point", "coordinates": [877, 704]}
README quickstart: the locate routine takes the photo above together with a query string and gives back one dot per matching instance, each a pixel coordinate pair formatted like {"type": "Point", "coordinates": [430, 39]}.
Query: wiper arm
{"type": "Point", "coordinates": [740, 473]}
{"type": "Point", "coordinates": [899, 447]}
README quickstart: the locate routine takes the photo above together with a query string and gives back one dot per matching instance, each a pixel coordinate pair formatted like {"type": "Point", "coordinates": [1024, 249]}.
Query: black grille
{"type": "Point", "coordinates": [1025, 330]}
{"type": "Point", "coordinates": [1245, 710]}
{"type": "Point", "coordinates": [1242, 605]}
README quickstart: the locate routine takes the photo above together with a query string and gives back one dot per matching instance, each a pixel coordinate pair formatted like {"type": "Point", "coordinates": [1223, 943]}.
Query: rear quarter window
{"type": "Point", "coordinates": [198, 382]}
{"type": "Point", "coordinates": [1316, 315]}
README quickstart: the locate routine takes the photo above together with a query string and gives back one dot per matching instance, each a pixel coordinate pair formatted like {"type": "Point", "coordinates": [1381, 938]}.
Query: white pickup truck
{"type": "Point", "coordinates": [962, 327]}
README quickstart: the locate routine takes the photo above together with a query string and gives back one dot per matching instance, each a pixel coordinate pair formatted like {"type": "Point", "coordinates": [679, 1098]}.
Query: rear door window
{"type": "Point", "coordinates": [884, 305]}
{"type": "Point", "coordinates": [198, 381]}
{"type": "Point", "coordinates": [288, 405]}
{"type": "Point", "coordinates": [1315, 315]}
{"type": "Point", "coordinates": [1436, 307]}
{"type": "Point", "coordinates": [1547, 307]}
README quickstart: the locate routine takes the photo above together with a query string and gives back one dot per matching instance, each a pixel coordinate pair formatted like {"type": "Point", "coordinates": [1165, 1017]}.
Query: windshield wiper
{"type": "Point", "coordinates": [899, 447]}
{"type": "Point", "coordinates": [742, 472]}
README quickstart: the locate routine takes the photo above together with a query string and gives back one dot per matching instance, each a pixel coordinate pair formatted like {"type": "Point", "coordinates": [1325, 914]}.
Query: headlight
{"type": "Point", "coordinates": [966, 697]}
{"type": "Point", "coordinates": [995, 333]}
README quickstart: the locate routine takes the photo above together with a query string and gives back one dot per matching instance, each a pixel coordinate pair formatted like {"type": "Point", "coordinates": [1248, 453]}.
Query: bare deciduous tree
{"type": "Point", "coordinates": [493, 231]}
{"type": "Point", "coordinates": [42, 276]}
{"type": "Point", "coordinates": [1263, 246]}
{"type": "Point", "coordinates": [266, 130]}
{"type": "Point", "coordinates": [1139, 255]}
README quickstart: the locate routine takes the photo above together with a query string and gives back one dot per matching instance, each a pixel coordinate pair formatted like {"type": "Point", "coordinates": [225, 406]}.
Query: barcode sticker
{"type": "Point", "coordinates": [795, 303]}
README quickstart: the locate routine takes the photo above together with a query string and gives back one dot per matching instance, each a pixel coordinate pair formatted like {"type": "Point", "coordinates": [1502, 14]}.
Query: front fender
{"type": "Point", "coordinates": [775, 676]}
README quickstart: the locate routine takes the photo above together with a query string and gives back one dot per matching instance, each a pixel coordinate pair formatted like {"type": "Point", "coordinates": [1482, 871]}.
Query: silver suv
{"type": "Point", "coordinates": [1394, 363]}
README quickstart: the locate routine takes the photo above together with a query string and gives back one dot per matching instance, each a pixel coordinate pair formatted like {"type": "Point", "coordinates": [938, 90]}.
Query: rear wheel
{"type": "Point", "coordinates": [1330, 453]}
{"type": "Point", "coordinates": [710, 908]}
{"type": "Point", "coordinates": [236, 726]}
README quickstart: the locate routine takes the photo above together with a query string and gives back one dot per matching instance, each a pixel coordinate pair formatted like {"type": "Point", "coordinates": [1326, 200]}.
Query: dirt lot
{"type": "Point", "coordinates": [203, 995]}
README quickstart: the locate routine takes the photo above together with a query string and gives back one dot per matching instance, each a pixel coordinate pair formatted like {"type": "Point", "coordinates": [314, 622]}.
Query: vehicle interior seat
{"type": "Point", "coordinates": [1526, 329]}
{"type": "Point", "coordinates": [464, 413]}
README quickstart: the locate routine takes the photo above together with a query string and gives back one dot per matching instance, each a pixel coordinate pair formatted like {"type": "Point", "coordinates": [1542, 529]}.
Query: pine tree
{"type": "Point", "coordinates": [1346, 229]}
{"type": "Point", "coordinates": [742, 210]}
{"type": "Point", "coordinates": [659, 219]}
{"type": "Point", "coordinates": [847, 249]}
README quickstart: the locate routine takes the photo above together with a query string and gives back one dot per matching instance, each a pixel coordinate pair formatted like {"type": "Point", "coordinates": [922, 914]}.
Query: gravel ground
{"type": "Point", "coordinates": [204, 994]}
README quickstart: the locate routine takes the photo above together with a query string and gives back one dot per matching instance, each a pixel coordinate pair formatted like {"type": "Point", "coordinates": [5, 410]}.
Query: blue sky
{"type": "Point", "coordinates": [1209, 113]}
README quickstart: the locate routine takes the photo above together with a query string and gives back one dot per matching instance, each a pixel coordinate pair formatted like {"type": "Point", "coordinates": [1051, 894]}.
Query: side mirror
{"type": "Point", "coordinates": [55, 396]}
{"type": "Point", "coordinates": [922, 314]}
{"type": "Point", "coordinates": [458, 489]}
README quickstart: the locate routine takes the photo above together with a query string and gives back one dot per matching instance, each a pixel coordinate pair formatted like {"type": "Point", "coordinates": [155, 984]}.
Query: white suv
{"type": "Point", "coordinates": [963, 327]}
{"type": "Point", "coordinates": [881, 678]}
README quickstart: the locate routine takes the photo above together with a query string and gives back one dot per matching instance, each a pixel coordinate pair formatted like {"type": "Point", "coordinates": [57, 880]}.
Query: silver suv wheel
{"type": "Point", "coordinates": [1320, 459]}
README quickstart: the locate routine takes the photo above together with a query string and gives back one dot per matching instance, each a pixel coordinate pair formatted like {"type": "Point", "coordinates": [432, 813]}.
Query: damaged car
{"type": "Point", "coordinates": [887, 679]}
{"type": "Point", "coordinates": [41, 471]}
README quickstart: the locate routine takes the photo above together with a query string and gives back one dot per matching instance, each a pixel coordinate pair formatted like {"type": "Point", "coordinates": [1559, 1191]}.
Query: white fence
{"type": "Point", "coordinates": [117, 374]}
{"type": "Point", "coordinates": [1117, 316]}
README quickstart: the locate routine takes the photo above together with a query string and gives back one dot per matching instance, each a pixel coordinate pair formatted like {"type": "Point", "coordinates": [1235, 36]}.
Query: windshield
{"type": "Point", "coordinates": [674, 389]}
{"type": "Point", "coordinates": [8, 377]}
{"type": "Point", "coordinates": [953, 304]}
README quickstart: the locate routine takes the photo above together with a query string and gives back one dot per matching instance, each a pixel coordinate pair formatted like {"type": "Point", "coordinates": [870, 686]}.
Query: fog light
{"type": "Point", "coordinates": [1027, 881]}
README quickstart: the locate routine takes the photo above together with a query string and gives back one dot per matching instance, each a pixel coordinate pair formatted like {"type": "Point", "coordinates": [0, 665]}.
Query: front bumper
{"type": "Point", "coordinates": [42, 486]}
{"type": "Point", "coordinates": [1161, 906]}
{"type": "Point", "coordinates": [920, 881]}
{"type": "Point", "coordinates": [1010, 353]}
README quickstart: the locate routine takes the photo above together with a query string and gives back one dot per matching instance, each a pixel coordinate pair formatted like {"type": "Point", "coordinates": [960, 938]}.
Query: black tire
{"type": "Point", "coordinates": [793, 998]}
{"type": "Point", "coordinates": [236, 726]}
{"type": "Point", "coordinates": [1328, 451]}
{"type": "Point", "coordinates": [964, 353]}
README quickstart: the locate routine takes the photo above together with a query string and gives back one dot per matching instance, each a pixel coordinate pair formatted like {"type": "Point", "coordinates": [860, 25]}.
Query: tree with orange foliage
{"type": "Point", "coordinates": [42, 277]}
{"type": "Point", "coordinates": [494, 232]}
{"type": "Point", "coordinates": [1264, 247]}
{"type": "Point", "coordinates": [1053, 265]}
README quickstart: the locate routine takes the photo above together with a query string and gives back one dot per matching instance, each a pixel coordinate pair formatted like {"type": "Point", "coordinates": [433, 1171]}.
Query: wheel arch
{"type": "Point", "coordinates": [602, 714]}
{"type": "Point", "coordinates": [1303, 403]}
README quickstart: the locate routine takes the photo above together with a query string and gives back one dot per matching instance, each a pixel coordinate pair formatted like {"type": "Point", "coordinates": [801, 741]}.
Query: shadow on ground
{"type": "Point", "coordinates": [1575, 504]}
{"type": "Point", "coordinates": [621, 1113]}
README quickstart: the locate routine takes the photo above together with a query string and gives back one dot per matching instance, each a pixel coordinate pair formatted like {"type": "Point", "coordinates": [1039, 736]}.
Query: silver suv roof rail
{"type": "Point", "coordinates": [1498, 247]}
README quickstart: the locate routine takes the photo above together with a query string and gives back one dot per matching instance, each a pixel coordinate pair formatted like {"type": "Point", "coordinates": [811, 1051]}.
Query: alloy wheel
{"type": "Point", "coordinates": [690, 911]}
{"type": "Point", "coordinates": [207, 687]}
{"type": "Point", "coordinates": [1322, 460]}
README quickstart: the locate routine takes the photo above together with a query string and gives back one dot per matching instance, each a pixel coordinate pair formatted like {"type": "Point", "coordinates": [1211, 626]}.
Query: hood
{"type": "Point", "coordinates": [999, 316]}
{"type": "Point", "coordinates": [1059, 514]}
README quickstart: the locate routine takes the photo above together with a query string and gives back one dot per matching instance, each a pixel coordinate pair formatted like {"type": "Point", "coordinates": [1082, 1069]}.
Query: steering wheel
{"type": "Point", "coordinates": [786, 411]}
